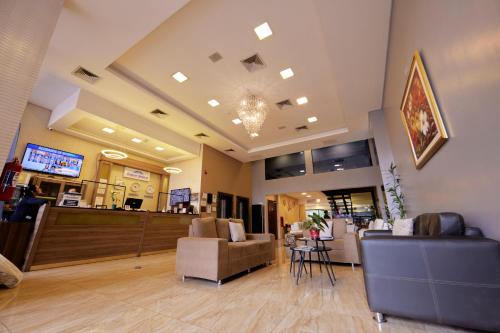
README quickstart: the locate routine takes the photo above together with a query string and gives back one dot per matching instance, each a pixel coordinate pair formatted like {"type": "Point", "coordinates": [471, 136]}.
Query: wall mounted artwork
{"type": "Point", "coordinates": [421, 116]}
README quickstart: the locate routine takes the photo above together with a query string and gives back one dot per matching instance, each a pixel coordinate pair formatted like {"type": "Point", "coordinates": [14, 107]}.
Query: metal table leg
{"type": "Point", "coordinates": [330, 264]}
{"type": "Point", "coordinates": [326, 267]}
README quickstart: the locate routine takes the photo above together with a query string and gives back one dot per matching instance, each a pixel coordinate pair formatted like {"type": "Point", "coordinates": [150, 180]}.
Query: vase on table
{"type": "Point", "coordinates": [314, 233]}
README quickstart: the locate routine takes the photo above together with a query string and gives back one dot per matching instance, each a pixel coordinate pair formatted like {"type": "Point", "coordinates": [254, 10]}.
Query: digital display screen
{"type": "Point", "coordinates": [181, 195]}
{"type": "Point", "coordinates": [52, 161]}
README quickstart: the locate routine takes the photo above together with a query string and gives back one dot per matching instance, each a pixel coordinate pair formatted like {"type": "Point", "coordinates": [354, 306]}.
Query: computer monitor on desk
{"type": "Point", "coordinates": [133, 203]}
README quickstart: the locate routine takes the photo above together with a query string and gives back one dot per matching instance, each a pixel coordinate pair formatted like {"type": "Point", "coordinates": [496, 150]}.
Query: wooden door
{"type": "Point", "coordinates": [272, 217]}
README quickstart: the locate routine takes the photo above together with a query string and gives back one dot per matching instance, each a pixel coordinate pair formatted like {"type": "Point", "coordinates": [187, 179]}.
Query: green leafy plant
{"type": "Point", "coordinates": [316, 222]}
{"type": "Point", "coordinates": [394, 189]}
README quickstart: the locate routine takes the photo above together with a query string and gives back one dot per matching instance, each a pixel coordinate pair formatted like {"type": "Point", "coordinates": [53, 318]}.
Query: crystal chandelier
{"type": "Point", "coordinates": [252, 112]}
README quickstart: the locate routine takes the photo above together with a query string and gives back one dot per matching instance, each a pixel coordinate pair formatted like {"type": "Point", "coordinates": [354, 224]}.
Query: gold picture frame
{"type": "Point", "coordinates": [420, 114]}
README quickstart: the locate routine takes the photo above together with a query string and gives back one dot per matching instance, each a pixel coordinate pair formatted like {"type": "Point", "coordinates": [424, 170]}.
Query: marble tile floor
{"type": "Point", "coordinates": [144, 295]}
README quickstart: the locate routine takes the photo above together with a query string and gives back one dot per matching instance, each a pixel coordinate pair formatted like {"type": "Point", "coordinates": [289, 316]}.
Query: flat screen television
{"type": "Point", "coordinates": [52, 161]}
{"type": "Point", "coordinates": [180, 195]}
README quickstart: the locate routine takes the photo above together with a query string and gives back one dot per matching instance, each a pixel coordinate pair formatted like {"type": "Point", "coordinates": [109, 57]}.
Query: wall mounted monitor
{"type": "Point", "coordinates": [180, 195]}
{"type": "Point", "coordinates": [52, 161]}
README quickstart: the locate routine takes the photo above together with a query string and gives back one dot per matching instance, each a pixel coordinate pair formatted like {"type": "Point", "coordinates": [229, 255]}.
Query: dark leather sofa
{"type": "Point", "coordinates": [445, 273]}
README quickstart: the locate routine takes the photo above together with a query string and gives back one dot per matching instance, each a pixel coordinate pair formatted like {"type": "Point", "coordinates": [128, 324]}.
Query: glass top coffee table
{"type": "Point", "coordinates": [322, 253]}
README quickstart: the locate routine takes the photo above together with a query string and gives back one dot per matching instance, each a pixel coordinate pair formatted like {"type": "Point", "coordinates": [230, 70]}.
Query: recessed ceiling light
{"type": "Point", "coordinates": [302, 100]}
{"type": "Point", "coordinates": [213, 103]}
{"type": "Point", "coordinates": [136, 140]}
{"type": "Point", "coordinates": [236, 121]}
{"type": "Point", "coordinates": [108, 130]}
{"type": "Point", "coordinates": [340, 169]}
{"type": "Point", "coordinates": [302, 171]}
{"type": "Point", "coordinates": [179, 77]}
{"type": "Point", "coordinates": [312, 119]}
{"type": "Point", "coordinates": [263, 31]}
{"type": "Point", "coordinates": [318, 200]}
{"type": "Point", "coordinates": [286, 73]}
{"type": "Point", "coordinates": [308, 196]}
{"type": "Point", "coordinates": [304, 193]}
{"type": "Point", "coordinates": [254, 135]}
{"type": "Point", "coordinates": [336, 165]}
{"type": "Point", "coordinates": [159, 148]}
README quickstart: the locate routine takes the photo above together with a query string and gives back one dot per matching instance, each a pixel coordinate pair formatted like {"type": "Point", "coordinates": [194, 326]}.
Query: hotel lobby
{"type": "Point", "coordinates": [235, 166]}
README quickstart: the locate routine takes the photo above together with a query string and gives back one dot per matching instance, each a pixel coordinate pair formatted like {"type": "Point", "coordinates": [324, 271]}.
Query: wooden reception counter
{"type": "Point", "coordinates": [68, 236]}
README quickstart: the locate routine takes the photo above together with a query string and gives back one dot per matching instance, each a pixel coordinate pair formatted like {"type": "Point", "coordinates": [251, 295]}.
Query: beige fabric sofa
{"type": "Point", "coordinates": [213, 256]}
{"type": "Point", "coordinates": [345, 246]}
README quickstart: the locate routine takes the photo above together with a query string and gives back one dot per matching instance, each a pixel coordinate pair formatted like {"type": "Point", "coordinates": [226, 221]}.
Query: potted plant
{"type": "Point", "coordinates": [315, 224]}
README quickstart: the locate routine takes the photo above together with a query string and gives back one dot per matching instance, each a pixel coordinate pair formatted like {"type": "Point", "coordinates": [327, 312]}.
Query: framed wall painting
{"type": "Point", "coordinates": [420, 114]}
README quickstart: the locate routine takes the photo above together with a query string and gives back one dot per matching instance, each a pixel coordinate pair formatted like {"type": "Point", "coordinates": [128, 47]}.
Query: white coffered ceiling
{"type": "Point", "coordinates": [336, 48]}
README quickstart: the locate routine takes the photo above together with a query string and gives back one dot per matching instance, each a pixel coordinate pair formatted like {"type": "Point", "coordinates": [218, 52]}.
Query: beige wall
{"type": "Point", "coordinates": [288, 209]}
{"type": "Point", "coordinates": [222, 173]}
{"type": "Point", "coordinates": [459, 42]}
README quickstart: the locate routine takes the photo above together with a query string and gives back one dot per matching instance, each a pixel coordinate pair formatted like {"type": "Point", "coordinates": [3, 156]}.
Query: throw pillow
{"type": "Point", "coordinates": [237, 232]}
{"type": "Point", "coordinates": [204, 227]}
{"type": "Point", "coordinates": [403, 227]}
{"type": "Point", "coordinates": [378, 224]}
{"type": "Point", "coordinates": [339, 228]}
{"type": "Point", "coordinates": [328, 230]}
{"type": "Point", "coordinates": [222, 226]}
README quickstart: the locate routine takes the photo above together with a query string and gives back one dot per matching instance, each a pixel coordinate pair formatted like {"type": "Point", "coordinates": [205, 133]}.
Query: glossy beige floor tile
{"type": "Point", "coordinates": [144, 295]}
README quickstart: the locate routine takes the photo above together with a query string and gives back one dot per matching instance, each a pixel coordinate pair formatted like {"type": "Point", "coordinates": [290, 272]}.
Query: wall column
{"type": "Point", "coordinates": [25, 31]}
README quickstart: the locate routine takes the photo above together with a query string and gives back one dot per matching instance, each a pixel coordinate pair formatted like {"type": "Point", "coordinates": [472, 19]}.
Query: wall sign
{"type": "Point", "coordinates": [136, 174]}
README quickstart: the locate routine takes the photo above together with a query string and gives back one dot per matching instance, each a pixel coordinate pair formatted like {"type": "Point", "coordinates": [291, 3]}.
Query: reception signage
{"type": "Point", "coordinates": [136, 174]}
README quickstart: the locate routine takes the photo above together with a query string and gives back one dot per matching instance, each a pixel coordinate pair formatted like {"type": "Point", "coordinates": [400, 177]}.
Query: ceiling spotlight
{"type": "Point", "coordinates": [136, 140]}
{"type": "Point", "coordinates": [336, 165]}
{"type": "Point", "coordinates": [318, 200]}
{"type": "Point", "coordinates": [179, 77]}
{"type": "Point", "coordinates": [302, 171]}
{"type": "Point", "coordinates": [263, 31]}
{"type": "Point", "coordinates": [113, 154]}
{"type": "Point", "coordinates": [172, 170]}
{"type": "Point", "coordinates": [286, 73]}
{"type": "Point", "coordinates": [340, 169]}
{"type": "Point", "coordinates": [159, 148]}
{"type": "Point", "coordinates": [108, 130]}
{"type": "Point", "coordinates": [304, 193]}
{"type": "Point", "coordinates": [236, 121]}
{"type": "Point", "coordinates": [213, 103]}
{"type": "Point", "coordinates": [254, 135]}
{"type": "Point", "coordinates": [308, 196]}
{"type": "Point", "coordinates": [312, 119]}
{"type": "Point", "coordinates": [302, 100]}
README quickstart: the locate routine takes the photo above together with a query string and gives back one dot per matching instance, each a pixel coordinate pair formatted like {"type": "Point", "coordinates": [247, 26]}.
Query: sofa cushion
{"type": "Point", "coordinates": [238, 250]}
{"type": "Point", "coordinates": [237, 231]}
{"type": "Point", "coordinates": [378, 224]}
{"type": "Point", "coordinates": [204, 227]}
{"type": "Point", "coordinates": [222, 226]}
{"type": "Point", "coordinates": [339, 228]}
{"type": "Point", "coordinates": [403, 227]}
{"type": "Point", "coordinates": [336, 244]}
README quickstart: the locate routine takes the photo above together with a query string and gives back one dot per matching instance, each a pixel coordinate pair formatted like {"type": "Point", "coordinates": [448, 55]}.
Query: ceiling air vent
{"type": "Point", "coordinates": [284, 104]}
{"type": "Point", "coordinates": [159, 113]}
{"type": "Point", "coordinates": [215, 57]}
{"type": "Point", "coordinates": [253, 63]}
{"type": "Point", "coordinates": [230, 150]}
{"type": "Point", "coordinates": [300, 128]}
{"type": "Point", "coordinates": [86, 75]}
{"type": "Point", "coordinates": [201, 135]}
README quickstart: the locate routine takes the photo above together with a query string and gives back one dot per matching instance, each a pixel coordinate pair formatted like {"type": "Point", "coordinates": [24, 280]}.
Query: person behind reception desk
{"type": "Point", "coordinates": [27, 208]}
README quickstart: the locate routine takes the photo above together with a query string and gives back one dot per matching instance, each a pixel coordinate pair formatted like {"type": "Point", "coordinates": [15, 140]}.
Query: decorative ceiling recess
{"type": "Point", "coordinates": [252, 112]}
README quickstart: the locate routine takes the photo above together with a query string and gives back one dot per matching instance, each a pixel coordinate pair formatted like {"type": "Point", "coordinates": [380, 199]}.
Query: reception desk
{"type": "Point", "coordinates": [68, 236]}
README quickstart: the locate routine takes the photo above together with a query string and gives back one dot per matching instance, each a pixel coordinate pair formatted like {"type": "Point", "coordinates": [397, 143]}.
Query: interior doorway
{"type": "Point", "coordinates": [242, 211]}
{"type": "Point", "coordinates": [272, 217]}
{"type": "Point", "coordinates": [224, 205]}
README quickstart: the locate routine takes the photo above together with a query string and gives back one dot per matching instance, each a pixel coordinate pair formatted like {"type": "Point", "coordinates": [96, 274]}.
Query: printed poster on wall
{"type": "Point", "coordinates": [136, 174]}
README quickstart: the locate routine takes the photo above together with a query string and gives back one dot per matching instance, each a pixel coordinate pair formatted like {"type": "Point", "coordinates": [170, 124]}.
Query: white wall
{"type": "Point", "coordinates": [25, 31]}
{"type": "Point", "coordinates": [189, 177]}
